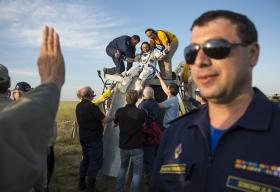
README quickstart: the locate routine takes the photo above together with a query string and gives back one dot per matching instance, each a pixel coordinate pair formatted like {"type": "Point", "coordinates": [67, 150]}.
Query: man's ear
{"type": "Point", "coordinates": [254, 53]}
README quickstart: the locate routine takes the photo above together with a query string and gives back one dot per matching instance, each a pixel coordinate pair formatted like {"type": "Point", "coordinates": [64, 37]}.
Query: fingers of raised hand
{"type": "Point", "coordinates": [44, 47]}
{"type": "Point", "coordinates": [57, 49]}
{"type": "Point", "coordinates": [50, 61]}
{"type": "Point", "coordinates": [50, 40]}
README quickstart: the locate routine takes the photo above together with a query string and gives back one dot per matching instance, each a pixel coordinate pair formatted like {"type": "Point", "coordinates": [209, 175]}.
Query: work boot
{"type": "Point", "coordinates": [82, 183]}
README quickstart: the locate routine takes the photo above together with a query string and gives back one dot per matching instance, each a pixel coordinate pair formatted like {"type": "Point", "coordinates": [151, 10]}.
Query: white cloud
{"type": "Point", "coordinates": [23, 72]}
{"type": "Point", "coordinates": [81, 24]}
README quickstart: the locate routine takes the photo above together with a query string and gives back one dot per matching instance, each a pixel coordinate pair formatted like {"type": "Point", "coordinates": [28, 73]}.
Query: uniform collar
{"type": "Point", "coordinates": [256, 117]}
{"type": "Point", "coordinates": [202, 120]}
{"type": "Point", "coordinates": [258, 113]}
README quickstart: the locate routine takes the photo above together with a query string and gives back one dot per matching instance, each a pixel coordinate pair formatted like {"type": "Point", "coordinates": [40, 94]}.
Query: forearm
{"type": "Point", "coordinates": [163, 85]}
{"type": "Point", "coordinates": [108, 119]}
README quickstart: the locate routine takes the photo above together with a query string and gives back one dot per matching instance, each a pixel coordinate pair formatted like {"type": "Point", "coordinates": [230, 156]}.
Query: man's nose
{"type": "Point", "coordinates": [202, 59]}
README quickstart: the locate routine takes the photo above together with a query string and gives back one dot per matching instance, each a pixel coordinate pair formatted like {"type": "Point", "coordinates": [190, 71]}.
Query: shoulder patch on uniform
{"type": "Point", "coordinates": [128, 42]}
{"type": "Point", "coordinates": [173, 169]}
{"type": "Point", "coordinates": [247, 185]}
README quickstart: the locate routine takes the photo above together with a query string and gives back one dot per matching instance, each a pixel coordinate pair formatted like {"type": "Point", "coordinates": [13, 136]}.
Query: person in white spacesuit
{"type": "Point", "coordinates": [146, 69]}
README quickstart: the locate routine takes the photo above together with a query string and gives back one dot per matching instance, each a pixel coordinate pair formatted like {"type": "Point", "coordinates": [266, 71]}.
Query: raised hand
{"type": "Point", "coordinates": [50, 61]}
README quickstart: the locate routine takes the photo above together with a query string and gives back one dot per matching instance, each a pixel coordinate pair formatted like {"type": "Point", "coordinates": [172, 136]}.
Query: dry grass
{"type": "Point", "coordinates": [67, 151]}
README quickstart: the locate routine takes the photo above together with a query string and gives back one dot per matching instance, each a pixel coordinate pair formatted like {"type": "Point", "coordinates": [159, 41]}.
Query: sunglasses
{"type": "Point", "coordinates": [213, 48]}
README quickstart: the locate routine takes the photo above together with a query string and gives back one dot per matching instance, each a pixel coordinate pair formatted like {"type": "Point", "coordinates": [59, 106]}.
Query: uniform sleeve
{"type": "Point", "coordinates": [129, 51]}
{"type": "Point", "coordinates": [53, 135]}
{"type": "Point", "coordinates": [24, 130]}
{"type": "Point", "coordinates": [110, 50]}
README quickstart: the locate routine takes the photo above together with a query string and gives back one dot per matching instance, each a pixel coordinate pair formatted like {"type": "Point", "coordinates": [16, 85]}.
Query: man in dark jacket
{"type": "Point", "coordinates": [119, 49]}
{"type": "Point", "coordinates": [90, 120]}
{"type": "Point", "coordinates": [232, 142]}
{"type": "Point", "coordinates": [130, 120]}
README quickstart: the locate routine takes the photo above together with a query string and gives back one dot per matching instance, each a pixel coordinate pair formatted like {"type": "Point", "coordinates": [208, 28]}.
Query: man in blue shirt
{"type": "Point", "coordinates": [232, 142]}
{"type": "Point", "coordinates": [119, 49]}
{"type": "Point", "coordinates": [171, 104]}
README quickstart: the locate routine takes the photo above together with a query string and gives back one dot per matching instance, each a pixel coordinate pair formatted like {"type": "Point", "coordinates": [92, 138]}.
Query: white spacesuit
{"type": "Point", "coordinates": [146, 68]}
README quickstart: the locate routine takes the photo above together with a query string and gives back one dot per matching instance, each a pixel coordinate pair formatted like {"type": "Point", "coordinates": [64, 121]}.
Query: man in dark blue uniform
{"type": "Point", "coordinates": [120, 48]}
{"type": "Point", "coordinates": [231, 143]}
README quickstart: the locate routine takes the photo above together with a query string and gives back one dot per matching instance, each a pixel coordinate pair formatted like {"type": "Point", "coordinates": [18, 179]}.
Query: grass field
{"type": "Point", "coordinates": [68, 156]}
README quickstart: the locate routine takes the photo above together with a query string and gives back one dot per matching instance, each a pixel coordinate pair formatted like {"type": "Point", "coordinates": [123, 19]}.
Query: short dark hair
{"type": "Point", "coordinates": [131, 97]}
{"type": "Point", "coordinates": [4, 86]}
{"type": "Point", "coordinates": [150, 29]}
{"type": "Point", "coordinates": [136, 37]}
{"type": "Point", "coordinates": [174, 88]}
{"type": "Point", "coordinates": [245, 27]}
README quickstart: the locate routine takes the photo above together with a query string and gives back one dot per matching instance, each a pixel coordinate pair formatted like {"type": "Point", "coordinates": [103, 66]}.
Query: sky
{"type": "Point", "coordinates": [86, 27]}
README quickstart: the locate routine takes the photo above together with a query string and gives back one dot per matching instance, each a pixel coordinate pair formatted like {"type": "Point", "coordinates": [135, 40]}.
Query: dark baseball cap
{"type": "Point", "coordinates": [23, 86]}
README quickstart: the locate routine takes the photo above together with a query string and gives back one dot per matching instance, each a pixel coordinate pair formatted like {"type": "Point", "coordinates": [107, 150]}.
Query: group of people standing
{"type": "Point", "coordinates": [216, 147]}
{"type": "Point", "coordinates": [131, 121]}
{"type": "Point", "coordinates": [229, 144]}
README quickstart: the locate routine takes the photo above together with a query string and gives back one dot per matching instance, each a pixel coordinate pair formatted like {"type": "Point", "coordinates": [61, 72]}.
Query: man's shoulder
{"type": "Point", "coordinates": [172, 99]}
{"type": "Point", "coordinates": [124, 38]}
{"type": "Point", "coordinates": [86, 103]}
{"type": "Point", "coordinates": [188, 117]}
{"type": "Point", "coordinates": [276, 108]}
{"type": "Point", "coordinates": [137, 109]}
{"type": "Point", "coordinates": [119, 110]}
